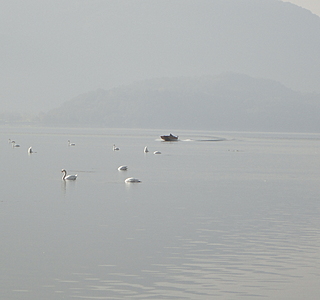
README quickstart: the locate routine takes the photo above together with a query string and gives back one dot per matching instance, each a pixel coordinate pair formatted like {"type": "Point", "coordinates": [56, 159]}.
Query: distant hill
{"type": "Point", "coordinates": [225, 102]}
{"type": "Point", "coordinates": [59, 49]}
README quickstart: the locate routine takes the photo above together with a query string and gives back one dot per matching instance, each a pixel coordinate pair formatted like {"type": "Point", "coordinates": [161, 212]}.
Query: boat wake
{"type": "Point", "coordinates": [205, 140]}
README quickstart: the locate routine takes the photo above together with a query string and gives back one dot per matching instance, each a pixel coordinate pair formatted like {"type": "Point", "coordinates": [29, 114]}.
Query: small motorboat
{"type": "Point", "coordinates": [169, 138]}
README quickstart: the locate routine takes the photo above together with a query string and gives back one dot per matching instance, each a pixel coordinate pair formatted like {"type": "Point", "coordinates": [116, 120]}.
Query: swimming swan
{"type": "Point", "coordinates": [30, 150]}
{"type": "Point", "coordinates": [156, 152]}
{"type": "Point", "coordinates": [115, 148]}
{"type": "Point", "coordinates": [71, 144]}
{"type": "Point", "coordinates": [146, 150]}
{"type": "Point", "coordinates": [14, 145]}
{"type": "Point", "coordinates": [69, 177]}
{"type": "Point", "coordinates": [132, 179]}
{"type": "Point", "coordinates": [123, 168]}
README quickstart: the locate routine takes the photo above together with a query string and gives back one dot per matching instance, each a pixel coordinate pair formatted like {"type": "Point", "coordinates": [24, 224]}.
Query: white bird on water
{"type": "Point", "coordinates": [115, 148]}
{"type": "Point", "coordinates": [123, 168]}
{"type": "Point", "coordinates": [69, 177]}
{"type": "Point", "coordinates": [156, 152]}
{"type": "Point", "coordinates": [30, 150]}
{"type": "Point", "coordinates": [14, 145]}
{"type": "Point", "coordinates": [132, 179]}
{"type": "Point", "coordinates": [146, 150]}
{"type": "Point", "coordinates": [71, 144]}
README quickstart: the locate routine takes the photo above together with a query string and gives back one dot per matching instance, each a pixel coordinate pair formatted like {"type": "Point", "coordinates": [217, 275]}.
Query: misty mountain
{"type": "Point", "coordinates": [225, 102]}
{"type": "Point", "coordinates": [54, 51]}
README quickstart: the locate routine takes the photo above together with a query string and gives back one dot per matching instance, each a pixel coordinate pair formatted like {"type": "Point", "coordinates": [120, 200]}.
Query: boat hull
{"type": "Point", "coordinates": [169, 138]}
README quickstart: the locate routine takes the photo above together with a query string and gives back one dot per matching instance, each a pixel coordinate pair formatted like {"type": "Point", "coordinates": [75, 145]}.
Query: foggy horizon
{"type": "Point", "coordinates": [228, 208]}
{"type": "Point", "coordinates": [54, 52]}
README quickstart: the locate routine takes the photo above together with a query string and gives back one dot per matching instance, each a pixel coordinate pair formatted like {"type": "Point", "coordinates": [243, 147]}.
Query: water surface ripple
{"type": "Point", "coordinates": [235, 218]}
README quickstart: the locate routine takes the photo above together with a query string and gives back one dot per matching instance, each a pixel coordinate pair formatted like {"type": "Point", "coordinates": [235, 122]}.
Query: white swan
{"type": "Point", "coordinates": [146, 150]}
{"type": "Point", "coordinates": [30, 150]}
{"type": "Point", "coordinates": [115, 148]}
{"type": "Point", "coordinates": [123, 168]}
{"type": "Point", "coordinates": [69, 177]}
{"type": "Point", "coordinates": [132, 179]}
{"type": "Point", "coordinates": [14, 145]}
{"type": "Point", "coordinates": [71, 144]}
{"type": "Point", "coordinates": [156, 152]}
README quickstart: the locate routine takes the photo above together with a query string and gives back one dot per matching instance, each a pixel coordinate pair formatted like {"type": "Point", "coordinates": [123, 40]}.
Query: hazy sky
{"type": "Point", "coordinates": [312, 5]}
{"type": "Point", "coordinates": [52, 51]}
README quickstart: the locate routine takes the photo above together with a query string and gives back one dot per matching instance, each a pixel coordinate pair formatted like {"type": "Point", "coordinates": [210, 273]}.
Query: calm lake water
{"type": "Point", "coordinates": [218, 215]}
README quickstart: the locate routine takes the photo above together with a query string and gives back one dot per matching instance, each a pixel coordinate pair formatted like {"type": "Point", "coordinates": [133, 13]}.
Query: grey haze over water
{"type": "Point", "coordinates": [218, 215]}
{"type": "Point", "coordinates": [53, 51]}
